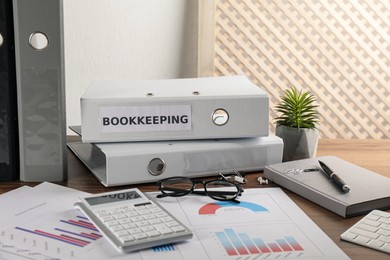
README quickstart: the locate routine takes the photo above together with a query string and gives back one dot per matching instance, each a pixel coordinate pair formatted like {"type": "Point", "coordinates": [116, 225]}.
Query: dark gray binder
{"type": "Point", "coordinates": [9, 152]}
{"type": "Point", "coordinates": [369, 190]}
{"type": "Point", "coordinates": [41, 90]}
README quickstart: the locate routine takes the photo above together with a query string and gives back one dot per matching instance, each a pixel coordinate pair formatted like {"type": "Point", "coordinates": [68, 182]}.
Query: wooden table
{"type": "Point", "coordinates": [371, 154]}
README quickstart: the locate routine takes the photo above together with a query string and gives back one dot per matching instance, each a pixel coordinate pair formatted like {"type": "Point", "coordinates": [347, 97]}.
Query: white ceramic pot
{"type": "Point", "coordinates": [299, 143]}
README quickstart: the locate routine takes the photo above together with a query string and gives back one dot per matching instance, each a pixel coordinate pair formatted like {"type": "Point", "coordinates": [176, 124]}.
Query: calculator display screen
{"type": "Point", "coordinates": [113, 198]}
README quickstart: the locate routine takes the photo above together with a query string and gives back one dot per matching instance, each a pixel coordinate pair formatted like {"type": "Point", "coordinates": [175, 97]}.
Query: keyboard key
{"type": "Point", "coordinates": [386, 248]}
{"type": "Point", "coordinates": [367, 227]}
{"type": "Point", "coordinates": [362, 239]}
{"type": "Point", "coordinates": [372, 231]}
{"type": "Point", "coordinates": [364, 233]}
{"type": "Point", "coordinates": [376, 243]}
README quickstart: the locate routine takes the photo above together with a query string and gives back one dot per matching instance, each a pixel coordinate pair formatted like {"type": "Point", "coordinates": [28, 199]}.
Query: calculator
{"type": "Point", "coordinates": [133, 220]}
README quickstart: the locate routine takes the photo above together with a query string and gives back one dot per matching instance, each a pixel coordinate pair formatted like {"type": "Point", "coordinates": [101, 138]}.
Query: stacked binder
{"type": "Point", "coordinates": [144, 130]}
{"type": "Point", "coordinates": [9, 158]}
{"type": "Point", "coordinates": [40, 85]}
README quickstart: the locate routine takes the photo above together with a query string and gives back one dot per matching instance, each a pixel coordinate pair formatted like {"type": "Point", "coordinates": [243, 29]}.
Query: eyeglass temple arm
{"type": "Point", "coordinates": [200, 192]}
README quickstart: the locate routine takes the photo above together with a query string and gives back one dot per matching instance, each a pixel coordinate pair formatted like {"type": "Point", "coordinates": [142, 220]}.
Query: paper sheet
{"type": "Point", "coordinates": [266, 224]}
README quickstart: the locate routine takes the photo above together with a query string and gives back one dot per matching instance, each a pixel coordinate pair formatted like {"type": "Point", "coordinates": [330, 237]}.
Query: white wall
{"type": "Point", "coordinates": [126, 39]}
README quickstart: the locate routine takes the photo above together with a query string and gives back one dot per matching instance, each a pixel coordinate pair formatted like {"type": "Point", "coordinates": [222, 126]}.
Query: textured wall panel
{"type": "Point", "coordinates": [337, 49]}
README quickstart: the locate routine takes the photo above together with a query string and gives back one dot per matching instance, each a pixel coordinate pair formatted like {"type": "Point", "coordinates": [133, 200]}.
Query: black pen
{"type": "Point", "coordinates": [336, 179]}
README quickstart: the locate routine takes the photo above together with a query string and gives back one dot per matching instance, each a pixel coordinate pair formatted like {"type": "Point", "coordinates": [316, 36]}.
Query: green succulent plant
{"type": "Point", "coordinates": [297, 109]}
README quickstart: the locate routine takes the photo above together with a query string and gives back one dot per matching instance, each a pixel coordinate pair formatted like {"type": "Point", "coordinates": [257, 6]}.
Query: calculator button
{"type": "Point", "coordinates": [142, 223]}
{"type": "Point", "coordinates": [161, 214]}
{"type": "Point", "coordinates": [154, 221]}
{"type": "Point", "coordinates": [107, 218]}
{"type": "Point", "coordinates": [148, 228]}
{"type": "Point", "coordinates": [127, 210]}
{"type": "Point", "coordinates": [163, 229]}
{"type": "Point", "coordinates": [116, 228]}
{"type": "Point", "coordinates": [120, 216]}
{"type": "Point", "coordinates": [135, 231]}
{"type": "Point", "coordinates": [103, 214]}
{"type": "Point", "coordinates": [136, 219]}
{"type": "Point", "coordinates": [124, 221]}
{"type": "Point", "coordinates": [153, 233]}
{"type": "Point", "coordinates": [178, 229]}
{"type": "Point", "coordinates": [131, 214]}
{"type": "Point", "coordinates": [122, 233]}
{"type": "Point", "coordinates": [149, 216]}
{"type": "Point", "coordinates": [140, 236]}
{"type": "Point", "coordinates": [171, 223]}
{"type": "Point", "coordinates": [115, 212]}
{"type": "Point", "coordinates": [129, 226]}
{"type": "Point", "coordinates": [126, 239]}
{"type": "Point", "coordinates": [144, 212]}
{"type": "Point", "coordinates": [166, 219]}
{"type": "Point", "coordinates": [112, 223]}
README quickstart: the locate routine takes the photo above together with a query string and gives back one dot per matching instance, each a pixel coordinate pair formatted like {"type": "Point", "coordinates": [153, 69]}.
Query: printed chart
{"type": "Point", "coordinates": [63, 235]}
{"type": "Point", "coordinates": [252, 208]}
{"type": "Point", "coordinates": [284, 240]}
{"type": "Point", "coordinates": [78, 238]}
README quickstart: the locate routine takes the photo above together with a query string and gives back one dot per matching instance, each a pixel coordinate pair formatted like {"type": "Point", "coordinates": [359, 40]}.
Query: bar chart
{"type": "Point", "coordinates": [82, 237]}
{"type": "Point", "coordinates": [164, 248]}
{"type": "Point", "coordinates": [242, 244]}
{"type": "Point", "coordinates": [268, 240]}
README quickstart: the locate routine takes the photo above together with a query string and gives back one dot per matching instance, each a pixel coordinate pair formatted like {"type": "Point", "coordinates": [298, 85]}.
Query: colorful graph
{"type": "Point", "coordinates": [242, 244]}
{"type": "Point", "coordinates": [211, 208]}
{"type": "Point", "coordinates": [164, 248]}
{"type": "Point", "coordinates": [79, 239]}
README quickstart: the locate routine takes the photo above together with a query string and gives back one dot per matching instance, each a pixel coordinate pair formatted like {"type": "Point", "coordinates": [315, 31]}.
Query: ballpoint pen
{"type": "Point", "coordinates": [336, 179]}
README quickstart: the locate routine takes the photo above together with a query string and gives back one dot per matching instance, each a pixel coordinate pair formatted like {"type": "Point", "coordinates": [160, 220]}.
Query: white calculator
{"type": "Point", "coordinates": [132, 220]}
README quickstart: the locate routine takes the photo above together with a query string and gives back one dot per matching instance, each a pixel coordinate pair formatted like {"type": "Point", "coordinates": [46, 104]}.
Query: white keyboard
{"type": "Point", "coordinates": [372, 231]}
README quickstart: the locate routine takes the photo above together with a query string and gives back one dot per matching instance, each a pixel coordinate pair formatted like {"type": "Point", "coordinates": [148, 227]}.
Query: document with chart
{"type": "Point", "coordinates": [41, 223]}
{"type": "Point", "coordinates": [266, 224]}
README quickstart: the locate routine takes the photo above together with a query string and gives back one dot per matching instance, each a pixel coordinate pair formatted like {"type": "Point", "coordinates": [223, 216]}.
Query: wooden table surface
{"type": "Point", "coordinates": [371, 154]}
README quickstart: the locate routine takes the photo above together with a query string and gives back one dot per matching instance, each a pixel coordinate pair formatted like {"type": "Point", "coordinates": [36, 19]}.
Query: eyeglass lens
{"type": "Point", "coordinates": [176, 186]}
{"type": "Point", "coordinates": [180, 186]}
{"type": "Point", "coordinates": [226, 190]}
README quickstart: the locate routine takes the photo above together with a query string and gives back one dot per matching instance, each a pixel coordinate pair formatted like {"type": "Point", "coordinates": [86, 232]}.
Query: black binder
{"type": "Point", "coordinates": [9, 147]}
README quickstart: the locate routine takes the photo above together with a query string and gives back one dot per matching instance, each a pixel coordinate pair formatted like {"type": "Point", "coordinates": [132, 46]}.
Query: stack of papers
{"type": "Point", "coordinates": [41, 223]}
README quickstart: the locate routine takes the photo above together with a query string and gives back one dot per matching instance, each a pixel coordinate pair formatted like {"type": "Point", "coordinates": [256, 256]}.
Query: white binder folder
{"type": "Point", "coordinates": [173, 109]}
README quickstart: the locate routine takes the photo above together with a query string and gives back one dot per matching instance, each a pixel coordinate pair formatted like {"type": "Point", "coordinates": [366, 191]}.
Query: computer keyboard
{"type": "Point", "coordinates": [372, 231]}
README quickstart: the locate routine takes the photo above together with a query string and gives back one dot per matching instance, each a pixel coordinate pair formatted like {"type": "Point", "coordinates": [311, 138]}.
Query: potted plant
{"type": "Point", "coordinates": [298, 124]}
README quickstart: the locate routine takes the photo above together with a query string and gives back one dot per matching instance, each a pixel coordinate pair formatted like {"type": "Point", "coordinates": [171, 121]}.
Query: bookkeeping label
{"type": "Point", "coordinates": [144, 118]}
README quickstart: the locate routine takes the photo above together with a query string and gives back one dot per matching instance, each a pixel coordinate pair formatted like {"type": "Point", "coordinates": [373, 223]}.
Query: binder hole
{"type": "Point", "coordinates": [156, 166]}
{"type": "Point", "coordinates": [220, 117]}
{"type": "Point", "coordinates": [38, 40]}
{"type": "Point", "coordinates": [149, 94]}
{"type": "Point", "coordinates": [1, 40]}
{"type": "Point", "coordinates": [196, 93]}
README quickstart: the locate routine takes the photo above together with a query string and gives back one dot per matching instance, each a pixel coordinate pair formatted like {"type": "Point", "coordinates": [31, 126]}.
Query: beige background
{"type": "Point", "coordinates": [337, 49]}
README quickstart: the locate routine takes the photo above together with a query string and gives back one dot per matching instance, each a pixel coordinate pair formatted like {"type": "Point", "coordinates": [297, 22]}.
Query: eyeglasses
{"type": "Point", "coordinates": [181, 186]}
